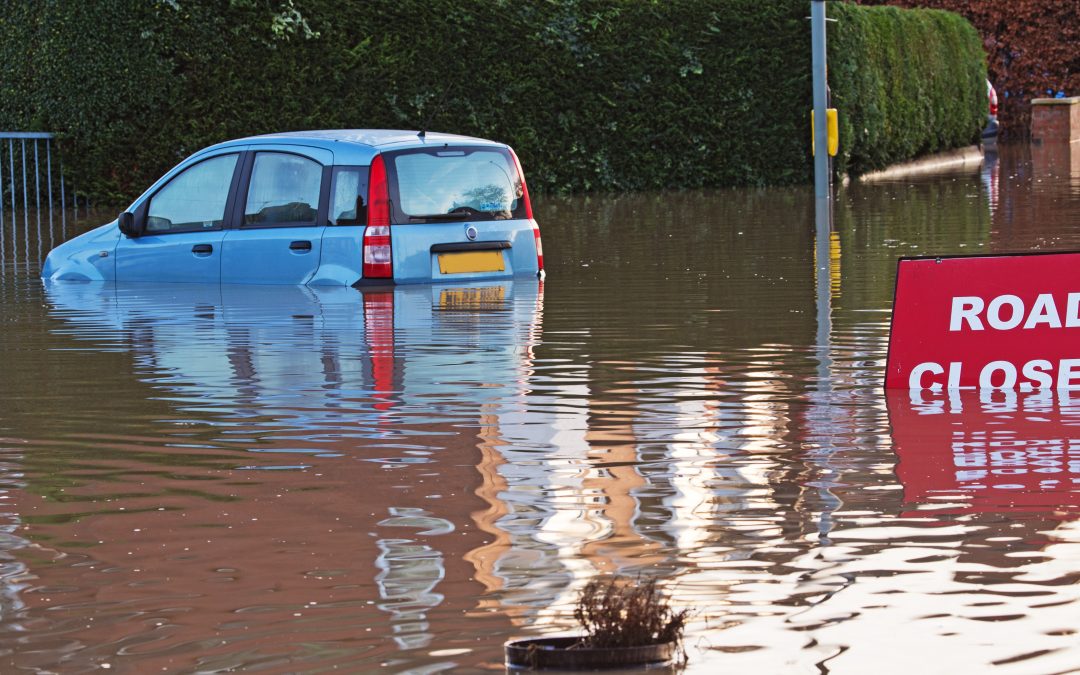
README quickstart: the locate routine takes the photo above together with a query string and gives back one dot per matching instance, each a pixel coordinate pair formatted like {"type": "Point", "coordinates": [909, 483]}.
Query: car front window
{"type": "Point", "coordinates": [194, 199]}
{"type": "Point", "coordinates": [475, 183]}
{"type": "Point", "coordinates": [284, 189]}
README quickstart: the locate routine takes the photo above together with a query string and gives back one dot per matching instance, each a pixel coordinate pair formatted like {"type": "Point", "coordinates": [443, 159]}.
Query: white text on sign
{"type": "Point", "coordinates": [1035, 374]}
{"type": "Point", "coordinates": [1006, 312]}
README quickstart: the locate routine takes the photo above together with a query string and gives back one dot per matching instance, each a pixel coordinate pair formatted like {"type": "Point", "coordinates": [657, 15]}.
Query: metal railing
{"type": "Point", "coordinates": [29, 188]}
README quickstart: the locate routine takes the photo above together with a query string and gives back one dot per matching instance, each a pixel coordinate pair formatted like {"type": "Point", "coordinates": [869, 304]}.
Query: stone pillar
{"type": "Point", "coordinates": [1055, 120]}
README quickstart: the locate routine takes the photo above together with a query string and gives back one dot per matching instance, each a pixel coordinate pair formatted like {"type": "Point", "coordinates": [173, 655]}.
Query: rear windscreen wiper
{"type": "Point", "coordinates": [441, 216]}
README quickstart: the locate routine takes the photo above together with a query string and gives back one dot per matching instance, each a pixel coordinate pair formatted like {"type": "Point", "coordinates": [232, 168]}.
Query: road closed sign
{"type": "Point", "coordinates": [986, 322]}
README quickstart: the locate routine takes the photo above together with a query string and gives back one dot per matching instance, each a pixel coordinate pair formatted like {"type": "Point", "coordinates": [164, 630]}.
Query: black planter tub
{"type": "Point", "coordinates": [559, 653]}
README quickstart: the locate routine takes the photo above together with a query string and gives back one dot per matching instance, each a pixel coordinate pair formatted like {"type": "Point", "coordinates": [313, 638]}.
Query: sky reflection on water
{"type": "Point", "coordinates": [210, 478]}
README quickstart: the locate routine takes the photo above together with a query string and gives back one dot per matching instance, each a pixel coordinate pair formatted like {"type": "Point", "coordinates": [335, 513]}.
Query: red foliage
{"type": "Point", "coordinates": [1032, 48]}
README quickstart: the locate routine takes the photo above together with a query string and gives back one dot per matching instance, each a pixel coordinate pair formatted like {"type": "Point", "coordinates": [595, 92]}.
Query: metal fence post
{"type": "Point", "coordinates": [11, 178]}
{"type": "Point", "coordinates": [63, 210]}
{"type": "Point", "coordinates": [37, 184]}
{"type": "Point", "coordinates": [25, 203]}
{"type": "Point", "coordinates": [1, 192]}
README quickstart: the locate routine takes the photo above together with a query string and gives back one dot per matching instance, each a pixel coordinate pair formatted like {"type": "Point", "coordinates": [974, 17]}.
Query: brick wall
{"type": "Point", "coordinates": [1058, 122]}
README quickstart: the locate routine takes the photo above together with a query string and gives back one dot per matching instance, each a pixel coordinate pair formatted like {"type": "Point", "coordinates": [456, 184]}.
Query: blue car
{"type": "Point", "coordinates": [322, 208]}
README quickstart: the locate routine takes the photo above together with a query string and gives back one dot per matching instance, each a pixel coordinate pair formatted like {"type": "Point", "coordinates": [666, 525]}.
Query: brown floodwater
{"type": "Point", "coordinates": [206, 479]}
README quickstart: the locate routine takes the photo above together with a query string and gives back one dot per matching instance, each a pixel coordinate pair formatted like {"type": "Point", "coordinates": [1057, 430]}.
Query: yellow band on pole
{"type": "Point", "coordinates": [832, 125]}
{"type": "Point", "coordinates": [832, 128]}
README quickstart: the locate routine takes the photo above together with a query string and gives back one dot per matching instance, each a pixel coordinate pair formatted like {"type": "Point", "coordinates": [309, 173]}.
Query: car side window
{"type": "Point", "coordinates": [284, 189]}
{"type": "Point", "coordinates": [194, 199]}
{"type": "Point", "coordinates": [347, 195]}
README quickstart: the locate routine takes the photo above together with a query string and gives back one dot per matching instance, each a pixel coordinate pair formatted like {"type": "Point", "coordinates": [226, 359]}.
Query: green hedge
{"type": "Point", "coordinates": [594, 94]}
{"type": "Point", "coordinates": [906, 82]}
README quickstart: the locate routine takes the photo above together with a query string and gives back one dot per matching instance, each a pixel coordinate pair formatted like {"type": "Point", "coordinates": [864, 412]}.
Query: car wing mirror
{"type": "Point", "coordinates": [128, 225]}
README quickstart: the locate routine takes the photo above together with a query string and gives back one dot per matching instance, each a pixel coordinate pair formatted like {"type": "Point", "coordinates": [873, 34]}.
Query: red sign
{"type": "Point", "coordinates": [995, 451]}
{"type": "Point", "coordinates": [986, 322]}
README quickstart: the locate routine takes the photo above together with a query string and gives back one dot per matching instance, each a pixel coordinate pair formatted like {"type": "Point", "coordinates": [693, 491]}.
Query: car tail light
{"type": "Point", "coordinates": [524, 188]}
{"type": "Point", "coordinates": [378, 261]}
{"type": "Point", "coordinates": [529, 213]}
{"type": "Point", "coordinates": [539, 248]}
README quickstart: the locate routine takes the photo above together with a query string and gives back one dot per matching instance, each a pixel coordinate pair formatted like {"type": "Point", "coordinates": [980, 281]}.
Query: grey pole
{"type": "Point", "coordinates": [37, 184]}
{"type": "Point", "coordinates": [822, 248]}
{"type": "Point", "coordinates": [1, 191]}
{"type": "Point", "coordinates": [14, 212]}
{"type": "Point", "coordinates": [818, 63]}
{"type": "Point", "coordinates": [48, 164]}
{"type": "Point", "coordinates": [822, 187]}
{"type": "Point", "coordinates": [25, 201]}
{"type": "Point", "coordinates": [48, 169]}
{"type": "Point", "coordinates": [63, 204]}
{"type": "Point", "coordinates": [823, 289]}
{"type": "Point", "coordinates": [11, 177]}
{"type": "Point", "coordinates": [37, 199]}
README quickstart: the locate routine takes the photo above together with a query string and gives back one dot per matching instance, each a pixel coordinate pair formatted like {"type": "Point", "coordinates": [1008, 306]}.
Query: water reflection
{"type": "Point", "coordinates": [213, 478]}
{"type": "Point", "coordinates": [990, 172]}
{"type": "Point", "coordinates": [990, 451]}
{"type": "Point", "coordinates": [306, 471]}
{"type": "Point", "coordinates": [1054, 162]}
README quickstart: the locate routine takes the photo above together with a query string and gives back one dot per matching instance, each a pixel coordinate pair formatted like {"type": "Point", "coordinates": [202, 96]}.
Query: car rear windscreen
{"type": "Point", "coordinates": [455, 183]}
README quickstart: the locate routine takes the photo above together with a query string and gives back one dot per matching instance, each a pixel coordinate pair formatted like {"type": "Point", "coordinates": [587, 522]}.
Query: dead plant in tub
{"type": "Point", "coordinates": [618, 612]}
{"type": "Point", "coordinates": [625, 624]}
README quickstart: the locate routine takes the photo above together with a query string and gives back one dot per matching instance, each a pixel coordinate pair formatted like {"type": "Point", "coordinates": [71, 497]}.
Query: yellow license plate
{"type": "Point", "coordinates": [471, 261]}
{"type": "Point", "coordinates": [471, 298]}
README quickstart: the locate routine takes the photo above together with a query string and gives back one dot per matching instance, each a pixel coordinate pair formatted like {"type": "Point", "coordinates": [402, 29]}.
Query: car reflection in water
{"type": "Point", "coordinates": [249, 344]}
{"type": "Point", "coordinates": [409, 383]}
{"type": "Point", "coordinates": [988, 451]}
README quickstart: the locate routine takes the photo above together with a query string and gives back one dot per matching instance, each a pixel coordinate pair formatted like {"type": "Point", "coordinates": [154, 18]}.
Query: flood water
{"type": "Point", "coordinates": [205, 479]}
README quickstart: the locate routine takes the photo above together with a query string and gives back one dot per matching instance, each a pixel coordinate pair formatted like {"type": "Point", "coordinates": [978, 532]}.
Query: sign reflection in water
{"type": "Point", "coordinates": [989, 451]}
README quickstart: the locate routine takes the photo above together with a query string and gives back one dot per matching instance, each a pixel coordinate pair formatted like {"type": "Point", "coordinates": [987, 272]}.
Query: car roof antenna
{"type": "Point", "coordinates": [434, 111]}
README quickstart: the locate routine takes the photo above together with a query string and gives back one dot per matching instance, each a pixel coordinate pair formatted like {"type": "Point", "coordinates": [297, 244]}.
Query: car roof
{"type": "Point", "coordinates": [356, 146]}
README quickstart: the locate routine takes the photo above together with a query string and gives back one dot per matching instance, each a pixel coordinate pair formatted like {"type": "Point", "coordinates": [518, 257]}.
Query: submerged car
{"type": "Point", "coordinates": [343, 207]}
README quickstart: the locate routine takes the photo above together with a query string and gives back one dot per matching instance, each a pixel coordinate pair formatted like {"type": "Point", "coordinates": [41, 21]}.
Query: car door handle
{"type": "Point", "coordinates": [300, 246]}
{"type": "Point", "coordinates": [202, 249]}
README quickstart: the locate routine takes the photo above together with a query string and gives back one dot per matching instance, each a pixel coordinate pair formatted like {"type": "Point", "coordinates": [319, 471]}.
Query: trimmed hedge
{"type": "Point", "coordinates": [906, 82]}
{"type": "Point", "coordinates": [594, 94]}
{"type": "Point", "coordinates": [1031, 48]}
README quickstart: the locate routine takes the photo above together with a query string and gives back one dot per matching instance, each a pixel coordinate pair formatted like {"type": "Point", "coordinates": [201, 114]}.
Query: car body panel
{"type": "Point", "coordinates": [279, 255]}
{"type": "Point", "coordinates": [88, 257]}
{"type": "Point", "coordinates": [341, 256]}
{"type": "Point", "coordinates": [418, 263]}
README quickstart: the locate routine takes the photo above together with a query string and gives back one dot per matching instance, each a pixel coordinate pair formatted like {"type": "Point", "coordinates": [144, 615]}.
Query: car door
{"type": "Point", "coordinates": [280, 216]}
{"type": "Point", "coordinates": [185, 225]}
